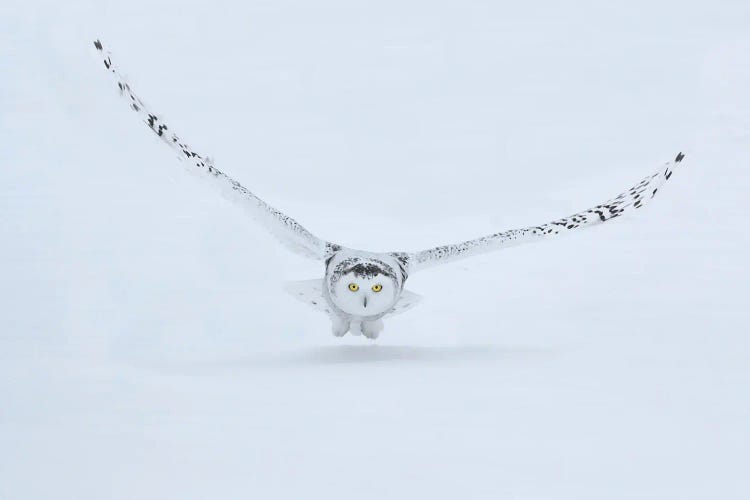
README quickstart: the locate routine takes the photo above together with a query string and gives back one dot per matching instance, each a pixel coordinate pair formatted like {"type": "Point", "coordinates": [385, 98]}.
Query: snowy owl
{"type": "Point", "coordinates": [359, 288]}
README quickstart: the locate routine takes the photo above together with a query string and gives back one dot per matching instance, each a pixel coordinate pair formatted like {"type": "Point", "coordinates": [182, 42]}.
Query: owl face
{"type": "Point", "coordinates": [363, 287]}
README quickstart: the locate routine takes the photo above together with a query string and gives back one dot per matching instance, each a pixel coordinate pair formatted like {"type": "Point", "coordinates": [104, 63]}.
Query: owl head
{"type": "Point", "coordinates": [364, 286]}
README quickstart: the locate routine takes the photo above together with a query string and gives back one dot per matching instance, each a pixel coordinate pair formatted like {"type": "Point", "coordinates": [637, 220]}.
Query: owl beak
{"type": "Point", "coordinates": [364, 302]}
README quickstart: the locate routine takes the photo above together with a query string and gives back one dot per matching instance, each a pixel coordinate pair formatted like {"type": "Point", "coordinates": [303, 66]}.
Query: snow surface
{"type": "Point", "coordinates": [147, 349]}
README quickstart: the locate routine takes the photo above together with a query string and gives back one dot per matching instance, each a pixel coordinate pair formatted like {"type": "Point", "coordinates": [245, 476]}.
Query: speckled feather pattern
{"type": "Point", "coordinates": [286, 229]}
{"type": "Point", "coordinates": [300, 240]}
{"type": "Point", "coordinates": [364, 269]}
{"type": "Point", "coordinates": [632, 199]}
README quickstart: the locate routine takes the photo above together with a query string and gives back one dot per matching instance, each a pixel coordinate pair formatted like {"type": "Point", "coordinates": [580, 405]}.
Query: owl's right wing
{"type": "Point", "coordinates": [632, 199]}
{"type": "Point", "coordinates": [287, 230]}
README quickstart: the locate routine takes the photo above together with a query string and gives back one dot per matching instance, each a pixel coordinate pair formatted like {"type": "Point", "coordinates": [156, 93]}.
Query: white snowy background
{"type": "Point", "coordinates": [147, 349]}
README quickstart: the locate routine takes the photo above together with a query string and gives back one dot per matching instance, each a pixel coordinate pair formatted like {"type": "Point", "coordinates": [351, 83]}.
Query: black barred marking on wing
{"type": "Point", "coordinates": [295, 235]}
{"type": "Point", "coordinates": [299, 239]}
{"type": "Point", "coordinates": [332, 248]}
{"type": "Point", "coordinates": [402, 259]}
{"type": "Point", "coordinates": [636, 197]}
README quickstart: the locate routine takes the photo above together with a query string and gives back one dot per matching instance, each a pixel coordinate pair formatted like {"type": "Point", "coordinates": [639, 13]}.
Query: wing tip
{"type": "Point", "coordinates": [98, 45]}
{"type": "Point", "coordinates": [679, 157]}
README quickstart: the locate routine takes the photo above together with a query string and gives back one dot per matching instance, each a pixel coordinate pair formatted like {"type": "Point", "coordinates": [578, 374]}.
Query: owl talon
{"type": "Point", "coordinates": [372, 329]}
{"type": "Point", "coordinates": [339, 326]}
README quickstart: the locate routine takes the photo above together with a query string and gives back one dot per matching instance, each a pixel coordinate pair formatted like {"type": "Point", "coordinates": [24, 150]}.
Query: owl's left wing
{"type": "Point", "coordinates": [287, 230]}
{"type": "Point", "coordinates": [632, 199]}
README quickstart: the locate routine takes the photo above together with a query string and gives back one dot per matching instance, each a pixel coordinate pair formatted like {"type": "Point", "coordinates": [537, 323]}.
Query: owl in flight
{"type": "Point", "coordinates": [360, 288]}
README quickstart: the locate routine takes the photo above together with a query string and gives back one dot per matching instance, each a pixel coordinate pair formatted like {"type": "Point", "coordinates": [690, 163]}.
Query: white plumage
{"type": "Point", "coordinates": [359, 288]}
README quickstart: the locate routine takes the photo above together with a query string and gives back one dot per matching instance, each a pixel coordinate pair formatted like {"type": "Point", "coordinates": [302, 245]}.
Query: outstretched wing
{"type": "Point", "coordinates": [286, 229]}
{"type": "Point", "coordinates": [632, 199]}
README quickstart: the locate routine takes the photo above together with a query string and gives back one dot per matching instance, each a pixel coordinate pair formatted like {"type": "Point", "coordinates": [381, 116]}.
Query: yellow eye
{"type": "Point", "coordinates": [377, 288]}
{"type": "Point", "coordinates": [353, 287]}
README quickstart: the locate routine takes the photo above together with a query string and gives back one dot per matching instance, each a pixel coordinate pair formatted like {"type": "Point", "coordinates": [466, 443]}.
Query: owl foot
{"type": "Point", "coordinates": [339, 326]}
{"type": "Point", "coordinates": [372, 329]}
